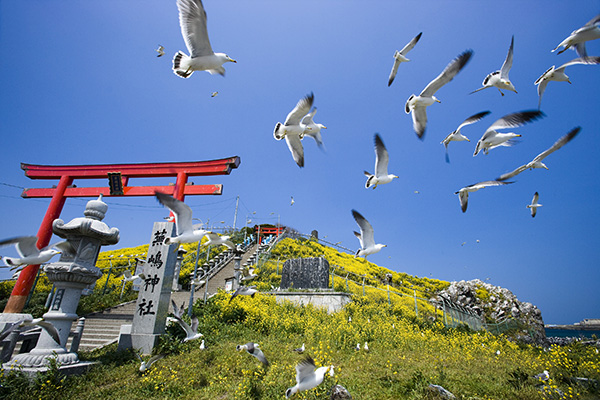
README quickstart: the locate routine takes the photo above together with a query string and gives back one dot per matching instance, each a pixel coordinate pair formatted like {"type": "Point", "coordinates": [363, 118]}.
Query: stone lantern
{"type": "Point", "coordinates": [73, 272]}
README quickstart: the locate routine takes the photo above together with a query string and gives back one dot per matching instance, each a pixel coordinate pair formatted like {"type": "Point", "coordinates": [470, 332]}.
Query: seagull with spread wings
{"type": "Point", "coordinates": [254, 350]}
{"type": "Point", "coordinates": [534, 204]}
{"type": "Point", "coordinates": [183, 220]}
{"type": "Point", "coordinates": [216, 240]}
{"type": "Point", "coordinates": [400, 57]}
{"type": "Point", "coordinates": [192, 19]}
{"type": "Point", "coordinates": [244, 291]}
{"type": "Point", "coordinates": [292, 129]}
{"type": "Point", "coordinates": [578, 37]}
{"type": "Point", "coordinates": [463, 194]}
{"type": "Point", "coordinates": [311, 128]}
{"type": "Point", "coordinates": [308, 376]}
{"type": "Point", "coordinates": [492, 138]}
{"type": "Point", "coordinates": [456, 136]}
{"type": "Point", "coordinates": [29, 254]}
{"type": "Point", "coordinates": [537, 161]}
{"type": "Point", "coordinates": [499, 79]}
{"type": "Point", "coordinates": [366, 237]}
{"type": "Point", "coordinates": [417, 105]}
{"type": "Point", "coordinates": [382, 159]}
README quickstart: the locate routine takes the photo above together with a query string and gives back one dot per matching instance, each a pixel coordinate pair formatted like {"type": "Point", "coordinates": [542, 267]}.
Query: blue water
{"type": "Point", "coordinates": [571, 333]}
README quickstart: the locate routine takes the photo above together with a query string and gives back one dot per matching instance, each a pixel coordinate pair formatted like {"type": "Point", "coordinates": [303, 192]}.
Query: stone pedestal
{"type": "Point", "coordinates": [305, 273]}
{"type": "Point", "coordinates": [70, 275]}
{"type": "Point", "coordinates": [180, 254]}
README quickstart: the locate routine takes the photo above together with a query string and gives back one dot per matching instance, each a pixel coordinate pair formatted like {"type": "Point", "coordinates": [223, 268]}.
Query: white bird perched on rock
{"type": "Point", "coordinates": [500, 79]}
{"type": "Point", "coordinates": [417, 105]}
{"type": "Point", "coordinates": [127, 276]}
{"type": "Point", "coordinates": [534, 204]}
{"type": "Point", "coordinates": [400, 57]}
{"type": "Point", "coordinates": [29, 254]}
{"type": "Point", "coordinates": [558, 74]}
{"type": "Point", "coordinates": [308, 376]}
{"type": "Point", "coordinates": [192, 19]}
{"type": "Point", "coordinates": [145, 365]}
{"type": "Point", "coordinates": [366, 237]}
{"type": "Point", "coordinates": [463, 193]}
{"type": "Point", "coordinates": [160, 51]}
{"type": "Point", "coordinates": [254, 350]}
{"type": "Point", "coordinates": [456, 136]}
{"type": "Point", "coordinates": [292, 129]}
{"type": "Point", "coordinates": [183, 220]}
{"type": "Point", "coordinates": [537, 161]}
{"type": "Point", "coordinates": [311, 128]}
{"type": "Point", "coordinates": [382, 159]}
{"type": "Point", "coordinates": [216, 240]}
{"type": "Point", "coordinates": [244, 291]}
{"type": "Point", "coordinates": [190, 331]}
{"type": "Point", "coordinates": [491, 138]}
{"type": "Point", "coordinates": [578, 37]}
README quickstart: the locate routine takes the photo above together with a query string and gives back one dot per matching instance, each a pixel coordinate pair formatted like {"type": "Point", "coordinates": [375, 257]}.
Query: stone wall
{"type": "Point", "coordinates": [332, 301]}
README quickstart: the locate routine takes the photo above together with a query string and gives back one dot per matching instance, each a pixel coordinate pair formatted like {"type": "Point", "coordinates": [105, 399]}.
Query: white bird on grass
{"type": "Point", "coordinates": [492, 138]}
{"type": "Point", "coordinates": [192, 19]}
{"type": "Point", "coordinates": [311, 128]}
{"type": "Point", "coordinates": [244, 291]}
{"type": "Point", "coordinates": [292, 129]}
{"type": "Point", "coordinates": [456, 136]}
{"type": "Point", "coordinates": [202, 345]}
{"type": "Point", "coordinates": [300, 349]}
{"type": "Point", "coordinates": [500, 79]}
{"type": "Point", "coordinates": [417, 105]}
{"type": "Point", "coordinates": [382, 159]}
{"type": "Point", "coordinates": [29, 254]}
{"type": "Point", "coordinates": [254, 350]}
{"type": "Point", "coordinates": [558, 74]}
{"type": "Point", "coordinates": [537, 161]}
{"type": "Point", "coordinates": [366, 237]}
{"type": "Point", "coordinates": [534, 204]}
{"type": "Point", "coordinates": [400, 57]}
{"type": "Point", "coordinates": [145, 365]}
{"type": "Point", "coordinates": [366, 347]}
{"type": "Point", "coordinates": [578, 37]}
{"type": "Point", "coordinates": [463, 193]}
{"type": "Point", "coordinates": [216, 240]}
{"type": "Point", "coordinates": [183, 220]}
{"type": "Point", "coordinates": [308, 376]}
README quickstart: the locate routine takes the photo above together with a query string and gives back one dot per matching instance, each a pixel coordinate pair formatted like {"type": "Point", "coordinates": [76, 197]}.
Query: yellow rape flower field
{"type": "Point", "coordinates": [406, 352]}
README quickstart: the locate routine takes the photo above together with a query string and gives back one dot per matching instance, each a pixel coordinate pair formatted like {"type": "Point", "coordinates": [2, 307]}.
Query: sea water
{"type": "Point", "coordinates": [572, 333]}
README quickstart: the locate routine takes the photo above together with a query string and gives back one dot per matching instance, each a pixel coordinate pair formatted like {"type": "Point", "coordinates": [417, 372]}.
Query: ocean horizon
{"type": "Point", "coordinates": [550, 332]}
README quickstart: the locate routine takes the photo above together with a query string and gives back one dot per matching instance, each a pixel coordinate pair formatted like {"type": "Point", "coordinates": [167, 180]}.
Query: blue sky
{"type": "Point", "coordinates": [82, 85]}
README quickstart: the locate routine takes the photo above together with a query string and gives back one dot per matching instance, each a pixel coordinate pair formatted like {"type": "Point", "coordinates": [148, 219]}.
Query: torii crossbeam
{"type": "Point", "coordinates": [66, 174]}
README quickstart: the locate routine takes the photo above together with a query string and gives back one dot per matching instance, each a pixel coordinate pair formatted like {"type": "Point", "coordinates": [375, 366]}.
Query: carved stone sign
{"type": "Point", "coordinates": [305, 273]}
{"type": "Point", "coordinates": [155, 292]}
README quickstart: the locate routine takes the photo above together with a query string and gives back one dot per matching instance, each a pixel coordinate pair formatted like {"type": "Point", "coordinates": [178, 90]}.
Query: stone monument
{"type": "Point", "coordinates": [305, 273]}
{"type": "Point", "coordinates": [73, 272]}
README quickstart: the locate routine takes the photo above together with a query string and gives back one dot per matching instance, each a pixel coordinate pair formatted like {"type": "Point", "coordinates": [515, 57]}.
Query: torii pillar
{"type": "Point", "coordinates": [65, 188]}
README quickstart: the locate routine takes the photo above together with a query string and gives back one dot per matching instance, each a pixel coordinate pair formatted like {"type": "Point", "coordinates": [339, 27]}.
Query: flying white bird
{"type": "Point", "coordinates": [244, 291]}
{"type": "Point", "coordinates": [29, 254]}
{"type": "Point", "coordinates": [537, 161]}
{"type": "Point", "coordinates": [578, 37]}
{"type": "Point", "coordinates": [183, 220]}
{"type": "Point", "coordinates": [178, 311]}
{"type": "Point", "coordinates": [248, 274]}
{"type": "Point", "coordinates": [459, 137]}
{"type": "Point", "coordinates": [366, 237]}
{"type": "Point", "coordinates": [311, 128]}
{"type": "Point", "coordinates": [145, 365]}
{"type": "Point", "coordinates": [417, 105]}
{"type": "Point", "coordinates": [308, 376]}
{"type": "Point", "coordinates": [292, 129]}
{"type": "Point", "coordinates": [500, 79]}
{"type": "Point", "coordinates": [191, 332]}
{"type": "Point", "coordinates": [492, 138]}
{"type": "Point", "coordinates": [463, 193]}
{"type": "Point", "coordinates": [534, 204]}
{"type": "Point", "coordinates": [160, 51]}
{"type": "Point", "coordinates": [29, 325]}
{"type": "Point", "coordinates": [558, 74]}
{"type": "Point", "coordinates": [214, 94]}
{"type": "Point", "coordinates": [382, 159]}
{"type": "Point", "coordinates": [254, 350]}
{"type": "Point", "coordinates": [292, 201]}
{"type": "Point", "coordinates": [192, 19]}
{"type": "Point", "coordinates": [216, 240]}
{"type": "Point", "coordinates": [400, 57]}
{"type": "Point", "coordinates": [127, 276]}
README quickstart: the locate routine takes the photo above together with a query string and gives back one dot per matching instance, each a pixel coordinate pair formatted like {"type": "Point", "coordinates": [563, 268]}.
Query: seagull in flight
{"type": "Point", "coordinates": [127, 276]}
{"type": "Point", "coordinates": [492, 138]}
{"type": "Point", "coordinates": [244, 291]}
{"type": "Point", "coordinates": [145, 365]}
{"type": "Point", "coordinates": [192, 19]}
{"type": "Point", "coordinates": [191, 332]}
{"type": "Point", "coordinates": [537, 161]}
{"type": "Point", "coordinates": [558, 74]}
{"type": "Point", "coordinates": [417, 104]}
{"type": "Point", "coordinates": [183, 220]}
{"type": "Point", "coordinates": [292, 129]}
{"type": "Point", "coordinates": [216, 240]}
{"type": "Point", "coordinates": [463, 193]}
{"type": "Point", "coordinates": [254, 350]}
{"type": "Point", "coordinates": [160, 51]}
{"type": "Point", "coordinates": [311, 128]}
{"type": "Point", "coordinates": [577, 38]}
{"type": "Point", "coordinates": [499, 79]}
{"type": "Point", "coordinates": [459, 137]}
{"type": "Point", "coordinates": [308, 376]}
{"type": "Point", "coordinates": [29, 325]}
{"type": "Point", "coordinates": [29, 254]}
{"type": "Point", "coordinates": [381, 166]}
{"type": "Point", "coordinates": [534, 204]}
{"type": "Point", "coordinates": [366, 237]}
{"type": "Point", "coordinates": [400, 57]}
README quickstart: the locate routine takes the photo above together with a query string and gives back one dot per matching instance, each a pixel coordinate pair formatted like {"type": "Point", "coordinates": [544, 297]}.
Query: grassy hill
{"type": "Point", "coordinates": [407, 352]}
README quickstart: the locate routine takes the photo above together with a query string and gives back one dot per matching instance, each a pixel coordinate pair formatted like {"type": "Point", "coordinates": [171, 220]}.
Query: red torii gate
{"type": "Point", "coordinates": [65, 188]}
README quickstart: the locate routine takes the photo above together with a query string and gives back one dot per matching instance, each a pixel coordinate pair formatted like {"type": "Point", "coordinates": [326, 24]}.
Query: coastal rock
{"type": "Point", "coordinates": [441, 392]}
{"type": "Point", "coordinates": [338, 392]}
